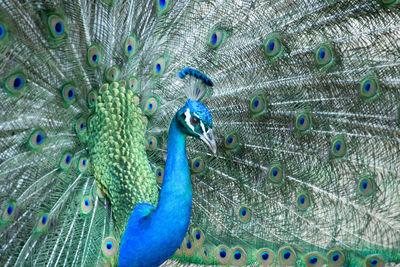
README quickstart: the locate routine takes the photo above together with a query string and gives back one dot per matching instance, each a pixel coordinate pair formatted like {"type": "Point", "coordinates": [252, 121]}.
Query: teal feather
{"type": "Point", "coordinates": [306, 115]}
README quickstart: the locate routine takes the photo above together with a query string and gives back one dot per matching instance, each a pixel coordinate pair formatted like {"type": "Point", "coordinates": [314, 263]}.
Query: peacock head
{"type": "Point", "coordinates": [194, 119]}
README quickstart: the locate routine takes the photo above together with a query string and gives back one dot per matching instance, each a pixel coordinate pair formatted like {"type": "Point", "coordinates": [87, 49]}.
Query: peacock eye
{"type": "Point", "coordinates": [195, 121]}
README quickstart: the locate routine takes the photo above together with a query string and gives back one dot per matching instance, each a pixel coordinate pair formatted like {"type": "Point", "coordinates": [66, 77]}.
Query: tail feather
{"type": "Point", "coordinates": [305, 111]}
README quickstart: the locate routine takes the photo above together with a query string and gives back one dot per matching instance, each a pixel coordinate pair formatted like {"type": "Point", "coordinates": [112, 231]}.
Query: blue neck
{"type": "Point", "coordinates": [152, 237]}
{"type": "Point", "coordinates": [176, 191]}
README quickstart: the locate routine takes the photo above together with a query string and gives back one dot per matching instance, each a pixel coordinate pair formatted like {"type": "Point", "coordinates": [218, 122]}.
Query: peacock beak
{"type": "Point", "coordinates": [208, 138]}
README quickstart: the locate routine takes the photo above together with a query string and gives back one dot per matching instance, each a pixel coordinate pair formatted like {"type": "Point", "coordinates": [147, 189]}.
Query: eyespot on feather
{"type": "Point", "coordinates": [65, 161]}
{"type": "Point", "coordinates": [286, 256]}
{"type": "Point", "coordinates": [37, 139]}
{"type": "Point", "coordinates": [188, 247]}
{"type": "Point", "coordinates": [159, 172]}
{"type": "Point", "coordinates": [92, 98]}
{"type": "Point", "coordinates": [151, 143]}
{"type": "Point", "coordinates": [275, 173]}
{"type": "Point", "coordinates": [86, 205]}
{"type": "Point", "coordinates": [80, 126]}
{"type": "Point", "coordinates": [94, 55]}
{"type": "Point", "coordinates": [15, 84]}
{"type": "Point", "coordinates": [239, 256]}
{"type": "Point", "coordinates": [223, 254]}
{"type": "Point", "coordinates": [273, 46]}
{"type": "Point", "coordinates": [133, 84]}
{"type": "Point", "coordinates": [68, 93]}
{"type": "Point", "coordinates": [324, 56]}
{"type": "Point", "coordinates": [109, 247]}
{"type": "Point", "coordinates": [257, 104]}
{"type": "Point", "coordinates": [198, 236]}
{"type": "Point", "coordinates": [374, 261]}
{"type": "Point", "coordinates": [56, 26]}
{"type": "Point", "coordinates": [151, 106]}
{"type": "Point", "coordinates": [303, 122]}
{"type": "Point", "coordinates": [215, 38]}
{"type": "Point", "coordinates": [338, 147]}
{"type": "Point", "coordinates": [265, 257]}
{"type": "Point", "coordinates": [244, 214]}
{"type": "Point", "coordinates": [366, 185]}
{"type": "Point", "coordinates": [204, 253]}
{"type": "Point", "coordinates": [303, 201]}
{"type": "Point", "coordinates": [336, 258]}
{"type": "Point", "coordinates": [159, 67]}
{"type": "Point", "coordinates": [9, 209]}
{"type": "Point", "coordinates": [369, 88]}
{"type": "Point", "coordinates": [231, 141]}
{"type": "Point", "coordinates": [130, 46]}
{"type": "Point", "coordinates": [198, 165]}
{"type": "Point", "coordinates": [42, 223]}
{"type": "Point", "coordinates": [162, 6]}
{"type": "Point", "coordinates": [3, 32]}
{"type": "Point", "coordinates": [112, 74]}
{"type": "Point", "coordinates": [83, 164]}
{"type": "Point", "coordinates": [314, 260]}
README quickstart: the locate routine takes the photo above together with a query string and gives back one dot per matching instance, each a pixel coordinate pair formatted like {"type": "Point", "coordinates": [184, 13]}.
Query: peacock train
{"type": "Point", "coordinates": [201, 132]}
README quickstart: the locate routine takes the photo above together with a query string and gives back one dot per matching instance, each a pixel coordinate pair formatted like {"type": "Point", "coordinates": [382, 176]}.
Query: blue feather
{"type": "Point", "coordinates": [152, 237]}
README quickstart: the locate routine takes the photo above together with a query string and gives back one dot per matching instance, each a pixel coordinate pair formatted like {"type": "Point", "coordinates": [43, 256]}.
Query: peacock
{"type": "Point", "coordinates": [201, 132]}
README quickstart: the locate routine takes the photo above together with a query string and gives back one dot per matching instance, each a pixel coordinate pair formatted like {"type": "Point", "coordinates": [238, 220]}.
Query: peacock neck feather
{"type": "Point", "coordinates": [151, 237]}
{"type": "Point", "coordinates": [176, 194]}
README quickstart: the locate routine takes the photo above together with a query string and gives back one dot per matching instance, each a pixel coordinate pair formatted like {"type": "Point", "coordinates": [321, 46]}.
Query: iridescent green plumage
{"type": "Point", "coordinates": [116, 134]}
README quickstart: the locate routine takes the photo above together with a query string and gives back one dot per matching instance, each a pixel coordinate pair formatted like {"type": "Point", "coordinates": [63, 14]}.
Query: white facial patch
{"type": "Point", "coordinates": [188, 116]}
{"type": "Point", "coordinates": [187, 119]}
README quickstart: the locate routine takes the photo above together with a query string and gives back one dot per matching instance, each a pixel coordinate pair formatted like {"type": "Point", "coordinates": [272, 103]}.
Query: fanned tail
{"type": "Point", "coordinates": [305, 107]}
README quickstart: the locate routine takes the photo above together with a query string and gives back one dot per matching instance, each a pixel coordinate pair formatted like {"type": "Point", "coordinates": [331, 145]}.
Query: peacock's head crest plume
{"type": "Point", "coordinates": [200, 84]}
